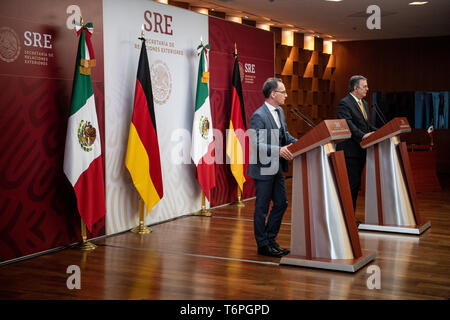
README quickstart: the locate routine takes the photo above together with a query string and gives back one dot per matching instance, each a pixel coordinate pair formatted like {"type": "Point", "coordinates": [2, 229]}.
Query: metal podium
{"type": "Point", "coordinates": [323, 233]}
{"type": "Point", "coordinates": [390, 191]}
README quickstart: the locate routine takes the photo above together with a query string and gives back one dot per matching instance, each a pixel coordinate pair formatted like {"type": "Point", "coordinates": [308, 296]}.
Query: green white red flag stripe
{"type": "Point", "coordinates": [202, 149]}
{"type": "Point", "coordinates": [83, 164]}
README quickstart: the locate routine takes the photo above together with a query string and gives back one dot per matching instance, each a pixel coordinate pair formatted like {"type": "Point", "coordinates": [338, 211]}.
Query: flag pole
{"type": "Point", "coordinates": [85, 245]}
{"type": "Point", "coordinates": [239, 203]}
{"type": "Point", "coordinates": [205, 80]}
{"type": "Point", "coordinates": [431, 137]}
{"type": "Point", "coordinates": [430, 130]}
{"type": "Point", "coordinates": [203, 211]}
{"type": "Point", "coordinates": [141, 228]}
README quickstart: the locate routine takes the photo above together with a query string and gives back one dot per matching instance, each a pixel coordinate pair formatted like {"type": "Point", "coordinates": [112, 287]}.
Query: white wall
{"type": "Point", "coordinates": [122, 22]}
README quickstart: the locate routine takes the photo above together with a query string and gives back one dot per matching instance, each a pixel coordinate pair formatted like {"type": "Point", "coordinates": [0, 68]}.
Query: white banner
{"type": "Point", "coordinates": [172, 35]}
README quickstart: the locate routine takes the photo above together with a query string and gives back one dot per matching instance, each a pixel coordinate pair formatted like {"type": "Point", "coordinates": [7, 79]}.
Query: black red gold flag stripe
{"type": "Point", "coordinates": [143, 158]}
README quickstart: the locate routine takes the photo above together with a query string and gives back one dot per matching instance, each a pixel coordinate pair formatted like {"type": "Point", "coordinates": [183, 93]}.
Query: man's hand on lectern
{"type": "Point", "coordinates": [285, 153]}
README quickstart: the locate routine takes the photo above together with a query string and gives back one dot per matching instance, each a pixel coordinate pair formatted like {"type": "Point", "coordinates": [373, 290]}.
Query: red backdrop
{"type": "Point", "coordinates": [256, 55]}
{"type": "Point", "coordinates": [37, 59]}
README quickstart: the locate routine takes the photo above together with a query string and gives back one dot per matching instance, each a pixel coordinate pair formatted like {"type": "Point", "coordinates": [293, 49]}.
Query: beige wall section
{"type": "Point", "coordinates": [174, 77]}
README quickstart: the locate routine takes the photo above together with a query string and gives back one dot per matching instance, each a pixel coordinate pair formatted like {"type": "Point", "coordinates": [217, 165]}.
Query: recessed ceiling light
{"type": "Point", "coordinates": [333, 0]}
{"type": "Point", "coordinates": [418, 3]}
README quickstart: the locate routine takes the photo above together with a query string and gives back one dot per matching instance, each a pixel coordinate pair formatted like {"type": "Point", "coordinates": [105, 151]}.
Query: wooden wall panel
{"type": "Point", "coordinates": [416, 64]}
{"type": "Point", "coordinates": [395, 65]}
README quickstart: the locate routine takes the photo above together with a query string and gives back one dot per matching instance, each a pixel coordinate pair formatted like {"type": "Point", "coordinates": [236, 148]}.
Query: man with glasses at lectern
{"type": "Point", "coordinates": [353, 108]}
{"type": "Point", "coordinates": [270, 158]}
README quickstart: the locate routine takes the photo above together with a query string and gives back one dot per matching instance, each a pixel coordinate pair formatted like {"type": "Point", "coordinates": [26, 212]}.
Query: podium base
{"type": "Point", "coordinates": [396, 229]}
{"type": "Point", "coordinates": [346, 265]}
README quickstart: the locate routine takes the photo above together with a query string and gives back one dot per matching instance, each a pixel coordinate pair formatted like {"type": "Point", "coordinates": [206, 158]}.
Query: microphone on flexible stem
{"type": "Point", "coordinates": [303, 117]}
{"type": "Point", "coordinates": [379, 113]}
{"type": "Point", "coordinates": [312, 124]}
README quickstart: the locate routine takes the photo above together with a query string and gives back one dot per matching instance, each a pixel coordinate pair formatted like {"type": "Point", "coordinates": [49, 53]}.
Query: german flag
{"type": "Point", "coordinates": [237, 147]}
{"type": "Point", "coordinates": [142, 158]}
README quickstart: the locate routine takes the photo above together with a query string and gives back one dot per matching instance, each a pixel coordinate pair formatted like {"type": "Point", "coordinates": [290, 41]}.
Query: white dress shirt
{"type": "Point", "coordinates": [357, 100]}
{"type": "Point", "coordinates": [274, 113]}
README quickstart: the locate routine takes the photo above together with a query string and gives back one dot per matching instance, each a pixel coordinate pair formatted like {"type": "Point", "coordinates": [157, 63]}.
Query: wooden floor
{"type": "Point", "coordinates": [205, 258]}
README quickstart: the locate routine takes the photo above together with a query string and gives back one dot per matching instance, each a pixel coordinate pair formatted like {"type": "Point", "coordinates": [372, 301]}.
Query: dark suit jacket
{"type": "Point", "coordinates": [349, 110]}
{"type": "Point", "coordinates": [265, 158]}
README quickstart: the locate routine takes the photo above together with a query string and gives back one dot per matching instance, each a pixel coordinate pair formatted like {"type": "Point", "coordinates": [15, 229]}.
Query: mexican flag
{"type": "Point", "coordinates": [82, 157]}
{"type": "Point", "coordinates": [202, 150]}
{"type": "Point", "coordinates": [430, 130]}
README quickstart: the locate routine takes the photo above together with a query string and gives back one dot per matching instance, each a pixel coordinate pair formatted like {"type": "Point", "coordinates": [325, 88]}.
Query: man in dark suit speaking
{"type": "Point", "coordinates": [353, 108]}
{"type": "Point", "coordinates": [270, 138]}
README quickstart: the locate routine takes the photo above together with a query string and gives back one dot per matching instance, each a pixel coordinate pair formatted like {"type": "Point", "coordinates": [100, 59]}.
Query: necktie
{"type": "Point", "coordinates": [277, 110]}
{"type": "Point", "coordinates": [362, 109]}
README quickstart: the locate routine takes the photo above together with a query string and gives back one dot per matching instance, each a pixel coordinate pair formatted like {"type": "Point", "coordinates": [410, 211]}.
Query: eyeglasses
{"type": "Point", "coordinates": [364, 87]}
{"type": "Point", "coordinates": [282, 92]}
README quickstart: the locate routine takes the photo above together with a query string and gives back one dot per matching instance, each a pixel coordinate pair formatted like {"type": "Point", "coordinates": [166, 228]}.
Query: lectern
{"type": "Point", "coordinates": [323, 233]}
{"type": "Point", "coordinates": [390, 192]}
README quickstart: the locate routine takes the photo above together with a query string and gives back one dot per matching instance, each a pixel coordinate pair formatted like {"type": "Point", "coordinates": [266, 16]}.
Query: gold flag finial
{"type": "Point", "coordinates": [235, 49]}
{"type": "Point", "coordinates": [142, 31]}
{"type": "Point", "coordinates": [81, 20]}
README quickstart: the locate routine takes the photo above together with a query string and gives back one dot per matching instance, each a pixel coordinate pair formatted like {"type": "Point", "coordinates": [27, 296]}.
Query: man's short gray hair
{"type": "Point", "coordinates": [270, 85]}
{"type": "Point", "coordinates": [354, 81]}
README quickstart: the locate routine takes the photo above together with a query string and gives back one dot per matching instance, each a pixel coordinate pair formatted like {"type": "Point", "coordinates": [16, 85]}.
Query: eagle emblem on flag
{"type": "Point", "coordinates": [204, 127]}
{"type": "Point", "coordinates": [86, 135]}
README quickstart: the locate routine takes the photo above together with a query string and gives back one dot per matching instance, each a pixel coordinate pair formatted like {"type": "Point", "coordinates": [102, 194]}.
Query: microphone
{"type": "Point", "coordinates": [303, 117]}
{"type": "Point", "coordinates": [379, 113]}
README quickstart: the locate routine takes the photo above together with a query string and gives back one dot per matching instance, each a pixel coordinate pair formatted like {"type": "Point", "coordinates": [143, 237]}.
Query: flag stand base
{"type": "Point", "coordinates": [86, 246]}
{"type": "Point", "coordinates": [203, 211]}
{"type": "Point", "coordinates": [141, 229]}
{"type": "Point", "coordinates": [239, 203]}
